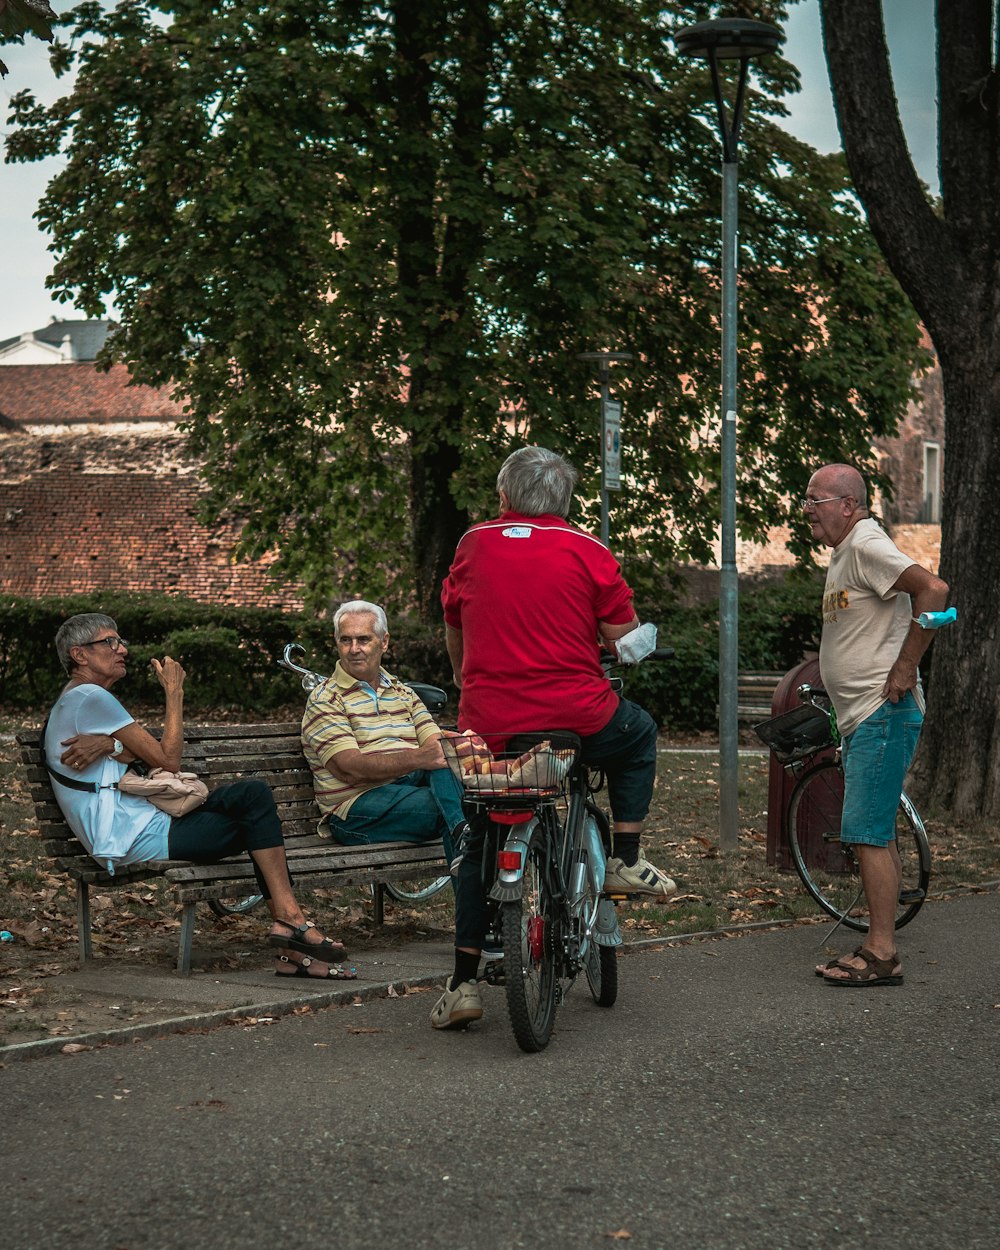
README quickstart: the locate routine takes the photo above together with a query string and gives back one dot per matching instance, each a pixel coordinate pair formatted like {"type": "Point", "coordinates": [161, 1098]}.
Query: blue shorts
{"type": "Point", "coordinates": [876, 757]}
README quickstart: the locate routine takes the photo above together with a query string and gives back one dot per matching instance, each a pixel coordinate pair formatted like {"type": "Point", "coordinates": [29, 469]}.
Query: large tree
{"type": "Point", "coordinates": [367, 241]}
{"type": "Point", "coordinates": [946, 255]}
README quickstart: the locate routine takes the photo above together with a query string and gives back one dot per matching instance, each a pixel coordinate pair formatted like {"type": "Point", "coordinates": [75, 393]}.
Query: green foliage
{"type": "Point", "coordinates": [229, 653]}
{"type": "Point", "coordinates": [779, 621]}
{"type": "Point", "coordinates": [366, 241]}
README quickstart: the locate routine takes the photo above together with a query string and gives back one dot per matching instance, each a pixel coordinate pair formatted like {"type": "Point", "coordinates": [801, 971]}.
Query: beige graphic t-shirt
{"type": "Point", "coordinates": [864, 622]}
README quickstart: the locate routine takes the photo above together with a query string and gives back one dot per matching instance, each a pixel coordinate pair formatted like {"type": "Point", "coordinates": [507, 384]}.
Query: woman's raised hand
{"type": "Point", "coordinates": [169, 674]}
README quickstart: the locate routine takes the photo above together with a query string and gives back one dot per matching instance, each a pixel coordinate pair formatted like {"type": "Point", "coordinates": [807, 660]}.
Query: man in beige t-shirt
{"type": "Point", "coordinates": [869, 652]}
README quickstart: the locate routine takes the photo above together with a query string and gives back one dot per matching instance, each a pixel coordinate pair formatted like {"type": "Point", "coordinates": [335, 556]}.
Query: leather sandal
{"type": "Point", "coordinates": [875, 972]}
{"type": "Point", "coordinates": [301, 969]}
{"type": "Point", "coordinates": [835, 962]}
{"type": "Point", "coordinates": [329, 952]}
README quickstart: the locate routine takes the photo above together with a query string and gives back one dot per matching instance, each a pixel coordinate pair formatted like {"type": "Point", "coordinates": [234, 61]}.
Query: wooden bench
{"type": "Point", "coordinates": [754, 692]}
{"type": "Point", "coordinates": [221, 753]}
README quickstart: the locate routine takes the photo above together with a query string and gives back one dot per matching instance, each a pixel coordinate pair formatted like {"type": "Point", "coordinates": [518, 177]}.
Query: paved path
{"type": "Point", "coordinates": [731, 1101]}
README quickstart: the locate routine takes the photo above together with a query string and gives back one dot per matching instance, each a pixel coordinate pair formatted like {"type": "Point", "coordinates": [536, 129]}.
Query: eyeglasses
{"type": "Point", "coordinates": [809, 504]}
{"type": "Point", "coordinates": [114, 643]}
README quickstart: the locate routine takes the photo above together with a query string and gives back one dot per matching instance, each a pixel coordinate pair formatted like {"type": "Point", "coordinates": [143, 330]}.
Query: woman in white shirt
{"type": "Point", "coordinates": [90, 739]}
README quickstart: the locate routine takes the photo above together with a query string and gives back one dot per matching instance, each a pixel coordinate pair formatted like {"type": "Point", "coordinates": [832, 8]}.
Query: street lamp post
{"type": "Point", "coordinates": [603, 361]}
{"type": "Point", "coordinates": [728, 39]}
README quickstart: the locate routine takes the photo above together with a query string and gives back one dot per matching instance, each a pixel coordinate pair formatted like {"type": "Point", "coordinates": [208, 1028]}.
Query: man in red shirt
{"type": "Point", "coordinates": [529, 602]}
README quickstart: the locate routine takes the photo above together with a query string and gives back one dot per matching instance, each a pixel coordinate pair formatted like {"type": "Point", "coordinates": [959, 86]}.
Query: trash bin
{"type": "Point", "coordinates": [781, 783]}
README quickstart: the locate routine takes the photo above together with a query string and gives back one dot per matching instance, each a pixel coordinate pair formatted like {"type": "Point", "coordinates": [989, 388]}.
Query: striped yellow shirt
{"type": "Point", "coordinates": [343, 714]}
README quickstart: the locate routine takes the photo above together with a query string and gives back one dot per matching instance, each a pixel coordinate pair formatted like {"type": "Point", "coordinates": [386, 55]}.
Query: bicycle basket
{"type": "Point", "coordinates": [489, 768]}
{"type": "Point", "coordinates": [793, 735]}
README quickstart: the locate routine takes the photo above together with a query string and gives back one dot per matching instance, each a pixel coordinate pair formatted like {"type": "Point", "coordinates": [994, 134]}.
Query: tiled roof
{"type": "Point", "coordinates": [60, 394]}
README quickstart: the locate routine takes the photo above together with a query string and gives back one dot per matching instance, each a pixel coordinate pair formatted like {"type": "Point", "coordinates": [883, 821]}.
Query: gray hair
{"type": "Point", "coordinates": [361, 605]}
{"type": "Point", "coordinates": [536, 480]}
{"type": "Point", "coordinates": [77, 631]}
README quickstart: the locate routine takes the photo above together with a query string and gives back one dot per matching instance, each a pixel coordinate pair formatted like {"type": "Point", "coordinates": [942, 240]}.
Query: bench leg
{"type": "Point", "coordinates": [186, 938]}
{"type": "Point", "coordinates": [379, 895]}
{"type": "Point", "coordinates": [83, 921]}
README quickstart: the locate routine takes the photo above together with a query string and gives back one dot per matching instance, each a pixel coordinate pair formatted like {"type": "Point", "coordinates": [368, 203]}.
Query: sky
{"type": "Point", "coordinates": [25, 262]}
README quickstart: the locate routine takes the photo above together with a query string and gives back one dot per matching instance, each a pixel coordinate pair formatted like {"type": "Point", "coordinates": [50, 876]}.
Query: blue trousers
{"type": "Point", "coordinates": [420, 807]}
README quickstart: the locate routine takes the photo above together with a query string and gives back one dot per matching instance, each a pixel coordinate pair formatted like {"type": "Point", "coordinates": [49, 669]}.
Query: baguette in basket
{"type": "Point", "coordinates": [541, 766]}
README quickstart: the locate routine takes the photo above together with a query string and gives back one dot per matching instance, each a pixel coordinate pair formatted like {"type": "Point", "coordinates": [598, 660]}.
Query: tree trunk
{"type": "Point", "coordinates": [436, 269]}
{"type": "Point", "coordinates": [949, 264]}
{"type": "Point", "coordinates": [957, 769]}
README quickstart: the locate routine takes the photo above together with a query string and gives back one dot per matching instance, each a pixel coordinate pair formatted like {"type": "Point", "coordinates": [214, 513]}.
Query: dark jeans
{"type": "Point", "coordinates": [234, 818]}
{"type": "Point", "coordinates": [626, 750]}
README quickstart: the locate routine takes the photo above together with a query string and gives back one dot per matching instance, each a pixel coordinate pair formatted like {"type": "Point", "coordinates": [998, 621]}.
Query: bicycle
{"type": "Point", "coordinates": [434, 699]}
{"type": "Point", "coordinates": [806, 743]}
{"type": "Point", "coordinates": [546, 843]}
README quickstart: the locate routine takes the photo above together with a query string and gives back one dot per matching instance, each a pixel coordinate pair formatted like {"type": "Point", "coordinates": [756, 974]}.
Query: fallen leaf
{"type": "Point", "coordinates": [73, 1048]}
{"type": "Point", "coordinates": [622, 1234]}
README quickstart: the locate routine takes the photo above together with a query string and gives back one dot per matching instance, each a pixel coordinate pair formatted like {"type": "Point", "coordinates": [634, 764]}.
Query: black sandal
{"type": "Point", "coordinates": [333, 973]}
{"type": "Point", "coordinates": [329, 952]}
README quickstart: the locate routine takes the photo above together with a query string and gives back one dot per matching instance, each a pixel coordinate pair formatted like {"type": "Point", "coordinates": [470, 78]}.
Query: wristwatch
{"type": "Point", "coordinates": [117, 749]}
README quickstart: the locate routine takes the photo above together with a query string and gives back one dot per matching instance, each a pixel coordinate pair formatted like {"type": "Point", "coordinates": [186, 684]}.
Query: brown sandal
{"type": "Point", "coordinates": [835, 963]}
{"type": "Point", "coordinates": [875, 972]}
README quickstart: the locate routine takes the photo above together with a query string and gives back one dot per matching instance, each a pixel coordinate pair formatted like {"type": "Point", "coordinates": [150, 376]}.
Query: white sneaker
{"type": "Point", "coordinates": [640, 878]}
{"type": "Point", "coordinates": [457, 1008]}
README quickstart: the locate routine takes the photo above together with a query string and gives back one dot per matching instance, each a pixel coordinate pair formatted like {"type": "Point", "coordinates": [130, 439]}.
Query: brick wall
{"type": "Point", "coordinates": [87, 509]}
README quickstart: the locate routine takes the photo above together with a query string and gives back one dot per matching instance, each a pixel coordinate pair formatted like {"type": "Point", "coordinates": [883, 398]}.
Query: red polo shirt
{"type": "Point", "coordinates": [527, 594]}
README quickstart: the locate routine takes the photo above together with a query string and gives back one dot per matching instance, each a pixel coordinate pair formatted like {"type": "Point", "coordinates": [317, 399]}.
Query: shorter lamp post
{"type": "Point", "coordinates": [604, 360]}
{"type": "Point", "coordinates": [728, 39]}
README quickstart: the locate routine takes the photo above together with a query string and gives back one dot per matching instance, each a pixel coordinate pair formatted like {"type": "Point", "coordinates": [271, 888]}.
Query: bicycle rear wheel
{"type": "Point", "coordinates": [529, 933]}
{"type": "Point", "coordinates": [829, 870]}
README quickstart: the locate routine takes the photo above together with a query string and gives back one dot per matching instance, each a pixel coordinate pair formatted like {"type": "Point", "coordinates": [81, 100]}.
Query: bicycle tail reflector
{"type": "Point", "coordinates": [509, 861]}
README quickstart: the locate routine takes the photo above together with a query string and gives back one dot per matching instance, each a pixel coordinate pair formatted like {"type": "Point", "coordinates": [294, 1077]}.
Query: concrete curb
{"type": "Point", "coordinates": [203, 1021]}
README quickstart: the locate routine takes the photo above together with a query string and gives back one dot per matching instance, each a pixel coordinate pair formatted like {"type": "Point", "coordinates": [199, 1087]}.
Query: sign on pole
{"type": "Point", "coordinates": [611, 423]}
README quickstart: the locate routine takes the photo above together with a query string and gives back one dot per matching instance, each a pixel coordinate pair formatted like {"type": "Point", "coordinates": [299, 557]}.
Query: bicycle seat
{"type": "Point", "coordinates": [433, 698]}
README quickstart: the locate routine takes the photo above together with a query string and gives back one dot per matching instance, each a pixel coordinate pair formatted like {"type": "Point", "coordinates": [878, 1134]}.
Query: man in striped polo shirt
{"type": "Point", "coordinates": [378, 769]}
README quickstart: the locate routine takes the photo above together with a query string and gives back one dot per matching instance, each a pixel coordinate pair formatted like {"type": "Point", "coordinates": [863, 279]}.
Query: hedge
{"type": "Point", "coordinates": [230, 653]}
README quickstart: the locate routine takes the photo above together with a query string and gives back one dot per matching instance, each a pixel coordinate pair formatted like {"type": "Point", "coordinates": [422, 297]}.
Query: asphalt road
{"type": "Point", "coordinates": [730, 1101]}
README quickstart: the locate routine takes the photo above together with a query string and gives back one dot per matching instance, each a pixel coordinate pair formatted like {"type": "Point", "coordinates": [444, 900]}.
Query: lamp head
{"type": "Point", "coordinates": [728, 39]}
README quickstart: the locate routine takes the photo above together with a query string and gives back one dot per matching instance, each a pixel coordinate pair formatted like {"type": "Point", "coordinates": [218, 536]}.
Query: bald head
{"type": "Point", "coordinates": [840, 479]}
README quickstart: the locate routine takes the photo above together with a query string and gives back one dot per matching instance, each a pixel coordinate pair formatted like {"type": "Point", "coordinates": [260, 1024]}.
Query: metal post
{"type": "Point", "coordinates": [737, 40]}
{"type": "Point", "coordinates": [605, 396]}
{"type": "Point", "coordinates": [729, 813]}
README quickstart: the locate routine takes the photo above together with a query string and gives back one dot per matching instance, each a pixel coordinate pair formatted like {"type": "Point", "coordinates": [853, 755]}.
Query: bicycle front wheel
{"type": "Point", "coordinates": [600, 964]}
{"type": "Point", "coordinates": [239, 907]}
{"type": "Point", "coordinates": [529, 933]}
{"type": "Point", "coordinates": [828, 868]}
{"type": "Point", "coordinates": [415, 891]}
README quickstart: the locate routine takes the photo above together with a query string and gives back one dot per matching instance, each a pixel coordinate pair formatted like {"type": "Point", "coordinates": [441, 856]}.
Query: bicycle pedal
{"type": "Point", "coordinates": [911, 896]}
{"type": "Point", "coordinates": [493, 973]}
